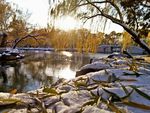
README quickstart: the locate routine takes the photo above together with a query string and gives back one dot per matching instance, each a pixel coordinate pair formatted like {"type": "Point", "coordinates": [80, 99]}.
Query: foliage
{"type": "Point", "coordinates": [18, 27]}
{"type": "Point", "coordinates": [40, 39]}
{"type": "Point", "coordinates": [13, 22]}
{"type": "Point", "coordinates": [132, 15]}
{"type": "Point", "coordinates": [126, 41]}
{"type": "Point", "coordinates": [138, 14]}
{"type": "Point", "coordinates": [6, 15]}
{"type": "Point", "coordinates": [148, 39]}
{"type": "Point", "coordinates": [81, 39]}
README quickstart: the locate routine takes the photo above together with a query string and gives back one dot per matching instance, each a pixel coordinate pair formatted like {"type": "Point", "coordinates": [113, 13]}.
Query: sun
{"type": "Point", "coordinates": [66, 23]}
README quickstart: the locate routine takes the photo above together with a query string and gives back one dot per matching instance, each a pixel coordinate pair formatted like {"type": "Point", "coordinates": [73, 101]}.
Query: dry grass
{"type": "Point", "coordinates": [147, 58]}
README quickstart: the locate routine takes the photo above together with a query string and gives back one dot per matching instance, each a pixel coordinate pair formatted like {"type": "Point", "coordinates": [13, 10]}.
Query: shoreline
{"type": "Point", "coordinates": [116, 86]}
{"type": "Point", "coordinates": [135, 50]}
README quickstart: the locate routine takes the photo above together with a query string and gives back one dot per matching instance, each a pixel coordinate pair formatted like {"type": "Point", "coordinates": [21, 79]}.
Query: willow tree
{"type": "Point", "coordinates": [126, 41]}
{"type": "Point", "coordinates": [132, 15]}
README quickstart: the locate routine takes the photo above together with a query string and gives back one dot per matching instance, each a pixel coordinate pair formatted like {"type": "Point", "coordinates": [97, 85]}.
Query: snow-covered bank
{"type": "Point", "coordinates": [118, 85]}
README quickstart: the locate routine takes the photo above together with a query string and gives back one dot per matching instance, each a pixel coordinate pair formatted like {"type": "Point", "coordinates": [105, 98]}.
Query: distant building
{"type": "Point", "coordinates": [117, 48]}
{"type": "Point", "coordinates": [136, 50]}
{"type": "Point", "coordinates": [108, 48]}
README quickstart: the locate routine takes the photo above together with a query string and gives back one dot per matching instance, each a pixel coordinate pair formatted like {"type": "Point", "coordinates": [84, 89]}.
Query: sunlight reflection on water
{"type": "Point", "coordinates": [42, 68]}
{"type": "Point", "coordinates": [66, 53]}
{"type": "Point", "coordinates": [67, 73]}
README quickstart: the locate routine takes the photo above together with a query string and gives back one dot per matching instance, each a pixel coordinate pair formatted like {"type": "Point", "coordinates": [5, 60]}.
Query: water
{"type": "Point", "coordinates": [39, 69]}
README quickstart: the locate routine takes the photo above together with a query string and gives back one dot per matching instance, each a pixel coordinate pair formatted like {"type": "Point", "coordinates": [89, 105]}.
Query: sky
{"type": "Point", "coordinates": [38, 9]}
{"type": "Point", "coordinates": [39, 15]}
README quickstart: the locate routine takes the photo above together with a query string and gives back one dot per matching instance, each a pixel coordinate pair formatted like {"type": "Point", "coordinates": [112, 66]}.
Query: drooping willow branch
{"type": "Point", "coordinates": [105, 1]}
{"type": "Point", "coordinates": [135, 35]}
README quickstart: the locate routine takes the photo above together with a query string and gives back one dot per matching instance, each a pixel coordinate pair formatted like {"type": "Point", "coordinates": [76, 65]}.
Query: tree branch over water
{"type": "Point", "coordinates": [25, 37]}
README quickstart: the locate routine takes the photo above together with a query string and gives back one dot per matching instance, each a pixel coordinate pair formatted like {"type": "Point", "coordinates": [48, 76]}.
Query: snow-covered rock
{"type": "Point", "coordinates": [109, 86]}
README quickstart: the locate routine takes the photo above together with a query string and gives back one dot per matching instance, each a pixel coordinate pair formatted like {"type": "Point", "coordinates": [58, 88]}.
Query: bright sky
{"type": "Point", "coordinates": [39, 11]}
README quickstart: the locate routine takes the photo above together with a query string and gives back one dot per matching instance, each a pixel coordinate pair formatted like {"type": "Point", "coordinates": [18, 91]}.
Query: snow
{"type": "Point", "coordinates": [119, 72]}
{"type": "Point", "coordinates": [10, 50]}
{"type": "Point", "coordinates": [96, 65]}
{"type": "Point", "coordinates": [11, 53]}
{"type": "Point", "coordinates": [91, 109]}
{"type": "Point", "coordinates": [105, 85]}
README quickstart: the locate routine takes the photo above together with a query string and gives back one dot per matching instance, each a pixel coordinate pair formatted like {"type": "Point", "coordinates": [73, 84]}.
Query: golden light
{"type": "Point", "coordinates": [66, 53]}
{"type": "Point", "coordinates": [67, 73]}
{"type": "Point", "coordinates": [66, 23]}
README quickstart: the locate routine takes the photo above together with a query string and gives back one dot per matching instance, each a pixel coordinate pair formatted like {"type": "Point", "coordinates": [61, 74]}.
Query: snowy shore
{"type": "Point", "coordinates": [118, 85]}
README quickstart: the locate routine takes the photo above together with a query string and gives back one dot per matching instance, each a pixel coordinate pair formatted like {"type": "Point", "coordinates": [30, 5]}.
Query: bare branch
{"type": "Point", "coordinates": [91, 3]}
{"type": "Point", "coordinates": [78, 5]}
{"type": "Point", "coordinates": [105, 1]}
{"type": "Point", "coordinates": [27, 36]}
{"type": "Point", "coordinates": [90, 17]}
{"type": "Point", "coordinates": [134, 34]}
{"type": "Point", "coordinates": [115, 20]}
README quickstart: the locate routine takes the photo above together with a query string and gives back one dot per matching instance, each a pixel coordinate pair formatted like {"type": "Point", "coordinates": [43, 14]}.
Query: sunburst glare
{"type": "Point", "coordinates": [67, 23]}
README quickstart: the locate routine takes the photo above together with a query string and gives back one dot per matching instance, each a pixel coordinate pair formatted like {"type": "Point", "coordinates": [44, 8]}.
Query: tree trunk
{"type": "Point", "coordinates": [3, 40]}
{"type": "Point", "coordinates": [142, 44]}
{"type": "Point", "coordinates": [136, 39]}
{"type": "Point", "coordinates": [25, 37]}
{"type": "Point", "coordinates": [135, 36]}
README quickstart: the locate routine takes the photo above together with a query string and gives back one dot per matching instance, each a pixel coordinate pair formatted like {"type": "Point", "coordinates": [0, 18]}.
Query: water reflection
{"type": "Point", "coordinates": [66, 53]}
{"type": "Point", "coordinates": [41, 68]}
{"type": "Point", "coordinates": [67, 73]}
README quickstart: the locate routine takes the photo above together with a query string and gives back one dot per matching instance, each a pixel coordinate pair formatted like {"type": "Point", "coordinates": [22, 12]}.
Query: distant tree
{"type": "Point", "coordinates": [82, 35]}
{"type": "Point", "coordinates": [111, 38]}
{"type": "Point", "coordinates": [85, 41]}
{"type": "Point", "coordinates": [100, 36]}
{"type": "Point", "coordinates": [42, 39]}
{"type": "Point", "coordinates": [18, 27]}
{"type": "Point", "coordinates": [148, 38]}
{"type": "Point", "coordinates": [132, 15]}
{"type": "Point", "coordinates": [12, 22]}
{"type": "Point", "coordinates": [59, 39]}
{"type": "Point", "coordinates": [92, 43]}
{"type": "Point", "coordinates": [6, 15]}
{"type": "Point", "coordinates": [126, 41]}
{"type": "Point", "coordinates": [82, 40]}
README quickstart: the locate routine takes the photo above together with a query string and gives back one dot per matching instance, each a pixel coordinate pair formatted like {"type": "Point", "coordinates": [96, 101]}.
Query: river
{"type": "Point", "coordinates": [39, 69]}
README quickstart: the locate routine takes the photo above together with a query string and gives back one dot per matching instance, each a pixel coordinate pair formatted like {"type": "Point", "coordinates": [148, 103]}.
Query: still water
{"type": "Point", "coordinates": [39, 69]}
